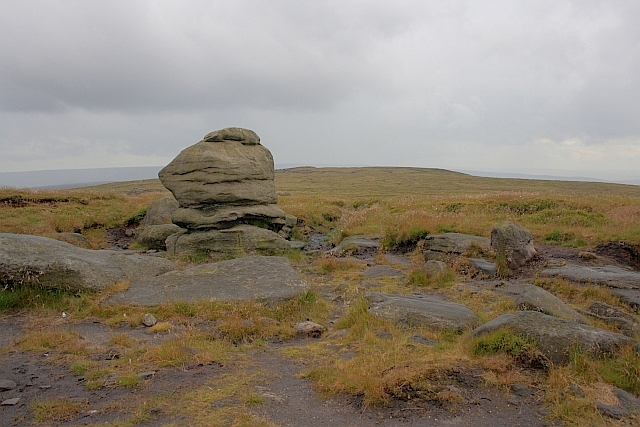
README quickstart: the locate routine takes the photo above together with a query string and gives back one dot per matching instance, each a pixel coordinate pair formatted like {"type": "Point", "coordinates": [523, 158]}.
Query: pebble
{"type": "Point", "coordinates": [520, 390]}
{"type": "Point", "coordinates": [149, 320]}
{"type": "Point", "coordinates": [6, 385]}
{"type": "Point", "coordinates": [10, 402]}
{"type": "Point", "coordinates": [310, 329]}
{"type": "Point", "coordinates": [146, 375]}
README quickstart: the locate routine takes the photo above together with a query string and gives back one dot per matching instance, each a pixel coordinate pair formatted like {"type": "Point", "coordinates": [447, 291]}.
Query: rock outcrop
{"type": "Point", "coordinates": [556, 338]}
{"type": "Point", "coordinates": [439, 245]}
{"type": "Point", "coordinates": [225, 187]}
{"type": "Point", "coordinates": [160, 210]}
{"type": "Point", "coordinates": [513, 242]}
{"type": "Point", "coordinates": [242, 279]}
{"type": "Point", "coordinates": [54, 264]}
{"type": "Point", "coordinates": [422, 310]}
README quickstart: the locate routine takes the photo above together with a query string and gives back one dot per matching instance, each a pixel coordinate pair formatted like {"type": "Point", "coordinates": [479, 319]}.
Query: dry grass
{"type": "Point", "coordinates": [56, 409]}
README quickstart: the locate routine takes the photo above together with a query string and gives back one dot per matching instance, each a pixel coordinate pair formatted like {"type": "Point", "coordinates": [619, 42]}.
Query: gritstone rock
{"type": "Point", "coordinates": [159, 211]}
{"type": "Point", "coordinates": [224, 182]}
{"type": "Point", "coordinates": [54, 264]}
{"type": "Point", "coordinates": [514, 242]}
{"type": "Point", "coordinates": [556, 338]}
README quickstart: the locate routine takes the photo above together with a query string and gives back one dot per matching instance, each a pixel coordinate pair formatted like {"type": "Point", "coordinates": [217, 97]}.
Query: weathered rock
{"type": "Point", "coordinates": [149, 320]}
{"type": "Point", "coordinates": [483, 266]}
{"type": "Point", "coordinates": [357, 244]}
{"type": "Point", "coordinates": [54, 264]}
{"type": "Point", "coordinates": [615, 412]}
{"type": "Point", "coordinates": [627, 400]}
{"type": "Point", "coordinates": [455, 243]}
{"type": "Point", "coordinates": [241, 279]}
{"type": "Point", "coordinates": [6, 385]}
{"type": "Point", "coordinates": [237, 241]}
{"type": "Point", "coordinates": [160, 210]}
{"type": "Point", "coordinates": [221, 217]}
{"type": "Point", "coordinates": [222, 169]}
{"type": "Point", "coordinates": [520, 390]}
{"type": "Point", "coordinates": [626, 322]}
{"type": "Point", "coordinates": [419, 339]}
{"type": "Point", "coordinates": [75, 239]}
{"type": "Point", "coordinates": [606, 310]}
{"type": "Point", "coordinates": [245, 136]}
{"type": "Point", "coordinates": [556, 338]}
{"type": "Point", "coordinates": [290, 220]}
{"type": "Point", "coordinates": [154, 236]}
{"type": "Point", "coordinates": [382, 271]}
{"type": "Point", "coordinates": [514, 242]}
{"type": "Point", "coordinates": [309, 329]}
{"type": "Point", "coordinates": [433, 269]}
{"type": "Point", "coordinates": [10, 402]}
{"type": "Point", "coordinates": [628, 296]}
{"type": "Point", "coordinates": [576, 390]}
{"type": "Point", "coordinates": [609, 275]}
{"type": "Point", "coordinates": [423, 310]}
{"type": "Point", "coordinates": [532, 297]}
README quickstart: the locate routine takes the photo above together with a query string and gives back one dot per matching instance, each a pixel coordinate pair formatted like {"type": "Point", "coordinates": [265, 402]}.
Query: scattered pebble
{"type": "Point", "coordinates": [310, 329]}
{"type": "Point", "coordinates": [10, 402]}
{"type": "Point", "coordinates": [146, 375]}
{"type": "Point", "coordinates": [520, 390]}
{"type": "Point", "coordinates": [419, 339]}
{"type": "Point", "coordinates": [6, 385]}
{"type": "Point", "coordinates": [576, 390]}
{"type": "Point", "coordinates": [149, 320]}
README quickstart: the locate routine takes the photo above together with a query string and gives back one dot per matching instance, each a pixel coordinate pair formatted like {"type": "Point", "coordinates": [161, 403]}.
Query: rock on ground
{"type": "Point", "coordinates": [54, 264]}
{"type": "Point", "coordinates": [514, 242]}
{"type": "Point", "coordinates": [453, 243]}
{"type": "Point", "coordinates": [433, 269]}
{"type": "Point", "coordinates": [235, 242]}
{"type": "Point", "coordinates": [358, 243]}
{"type": "Point", "coordinates": [483, 266]}
{"type": "Point", "coordinates": [421, 310]}
{"type": "Point", "coordinates": [609, 275]}
{"type": "Point", "coordinates": [154, 236]}
{"type": "Point", "coordinates": [556, 338]}
{"type": "Point", "coordinates": [241, 279]}
{"type": "Point", "coordinates": [160, 210]}
{"type": "Point", "coordinates": [532, 297]}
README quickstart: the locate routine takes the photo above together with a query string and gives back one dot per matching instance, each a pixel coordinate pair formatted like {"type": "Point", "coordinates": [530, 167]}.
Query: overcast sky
{"type": "Point", "coordinates": [531, 86]}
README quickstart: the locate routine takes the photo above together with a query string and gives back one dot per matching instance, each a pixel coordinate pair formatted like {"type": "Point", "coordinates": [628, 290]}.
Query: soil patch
{"type": "Point", "coordinates": [622, 252]}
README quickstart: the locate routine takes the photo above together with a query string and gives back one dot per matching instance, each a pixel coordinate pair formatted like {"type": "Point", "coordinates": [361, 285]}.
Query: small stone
{"type": "Point", "coordinates": [576, 390]}
{"type": "Point", "coordinates": [310, 329]}
{"type": "Point", "coordinates": [520, 390]}
{"type": "Point", "coordinates": [44, 387]}
{"type": "Point", "coordinates": [433, 269]}
{"type": "Point", "coordinates": [610, 411]}
{"type": "Point", "coordinates": [10, 402]}
{"type": "Point", "coordinates": [383, 335]}
{"type": "Point", "coordinates": [6, 385]}
{"type": "Point", "coordinates": [149, 320]}
{"type": "Point", "coordinates": [146, 375]}
{"type": "Point", "coordinates": [419, 339]}
{"type": "Point", "coordinates": [248, 323]}
{"type": "Point", "coordinates": [587, 255]}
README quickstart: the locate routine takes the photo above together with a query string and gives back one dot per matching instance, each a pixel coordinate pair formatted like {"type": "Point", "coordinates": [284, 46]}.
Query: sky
{"type": "Point", "coordinates": [510, 86]}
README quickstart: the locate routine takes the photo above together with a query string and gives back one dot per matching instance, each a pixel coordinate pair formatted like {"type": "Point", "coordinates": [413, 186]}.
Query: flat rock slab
{"type": "Point", "coordinates": [6, 385]}
{"type": "Point", "coordinates": [532, 297]}
{"type": "Point", "coordinates": [382, 271]}
{"type": "Point", "coordinates": [241, 279]}
{"type": "Point", "coordinates": [483, 266]}
{"type": "Point", "coordinates": [421, 310]}
{"type": "Point", "coordinates": [54, 264]}
{"type": "Point", "coordinates": [456, 243]}
{"type": "Point", "coordinates": [357, 243]}
{"type": "Point", "coordinates": [556, 338]}
{"type": "Point", "coordinates": [609, 275]}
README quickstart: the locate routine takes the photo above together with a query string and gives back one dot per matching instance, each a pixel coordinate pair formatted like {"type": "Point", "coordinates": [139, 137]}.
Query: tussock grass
{"type": "Point", "coordinates": [56, 409]}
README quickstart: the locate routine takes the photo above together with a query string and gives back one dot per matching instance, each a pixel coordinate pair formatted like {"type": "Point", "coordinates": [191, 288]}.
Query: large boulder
{"type": "Point", "coordinates": [557, 338]}
{"type": "Point", "coordinates": [222, 171]}
{"type": "Point", "coordinates": [232, 242]}
{"type": "Point", "coordinates": [160, 210]}
{"type": "Point", "coordinates": [422, 310]}
{"type": "Point", "coordinates": [241, 279]}
{"type": "Point", "coordinates": [454, 243]}
{"type": "Point", "coordinates": [154, 236]}
{"type": "Point", "coordinates": [513, 242]}
{"type": "Point", "coordinates": [54, 264]}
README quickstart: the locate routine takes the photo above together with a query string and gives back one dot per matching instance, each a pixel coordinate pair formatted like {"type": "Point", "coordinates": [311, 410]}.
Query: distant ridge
{"type": "Point", "coordinates": [73, 178]}
{"type": "Point", "coordinates": [76, 178]}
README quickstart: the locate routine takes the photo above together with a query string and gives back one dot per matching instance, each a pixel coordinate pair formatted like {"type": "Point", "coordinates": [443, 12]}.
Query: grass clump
{"type": "Point", "coordinates": [421, 279]}
{"type": "Point", "coordinates": [56, 409]}
{"type": "Point", "coordinates": [520, 348]}
{"type": "Point", "coordinates": [400, 239]}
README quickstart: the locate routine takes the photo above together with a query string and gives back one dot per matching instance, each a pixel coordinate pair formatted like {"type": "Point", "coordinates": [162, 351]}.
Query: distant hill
{"type": "Point", "coordinates": [74, 178]}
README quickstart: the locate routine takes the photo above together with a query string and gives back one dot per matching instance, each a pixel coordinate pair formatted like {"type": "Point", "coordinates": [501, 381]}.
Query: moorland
{"type": "Point", "coordinates": [217, 363]}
